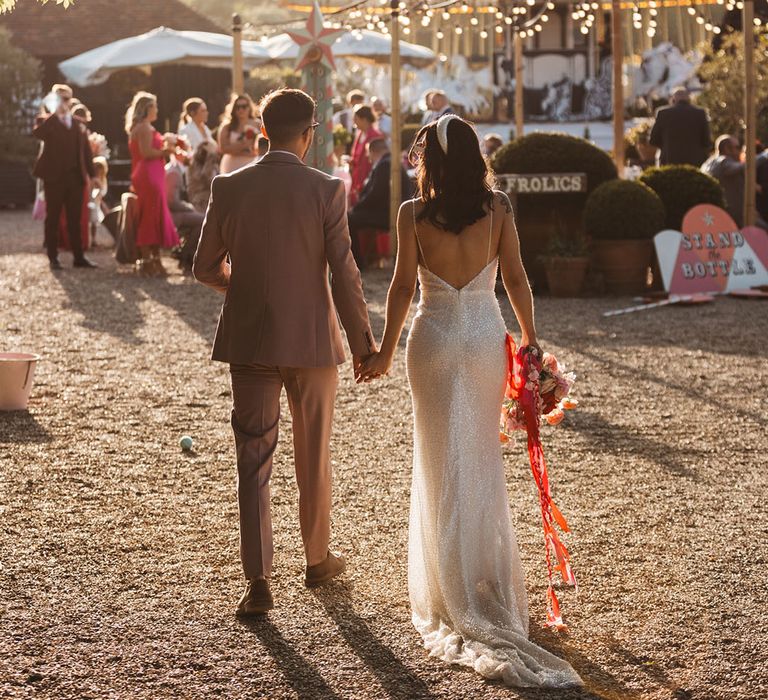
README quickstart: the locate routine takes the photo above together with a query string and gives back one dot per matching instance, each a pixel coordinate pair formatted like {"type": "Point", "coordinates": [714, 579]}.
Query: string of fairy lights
{"type": "Point", "coordinates": [502, 18]}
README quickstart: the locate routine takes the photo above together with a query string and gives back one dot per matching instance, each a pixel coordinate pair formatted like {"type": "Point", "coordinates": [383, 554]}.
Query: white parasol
{"type": "Point", "coordinates": [358, 43]}
{"type": "Point", "coordinates": [160, 46]}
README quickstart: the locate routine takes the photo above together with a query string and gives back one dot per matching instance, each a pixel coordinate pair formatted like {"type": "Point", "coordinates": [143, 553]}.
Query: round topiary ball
{"type": "Point", "coordinates": [623, 210]}
{"type": "Point", "coordinates": [681, 187]}
{"type": "Point", "coordinates": [555, 153]}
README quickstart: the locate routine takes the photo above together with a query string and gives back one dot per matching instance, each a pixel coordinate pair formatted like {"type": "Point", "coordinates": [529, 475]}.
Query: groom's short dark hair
{"type": "Point", "coordinates": [286, 113]}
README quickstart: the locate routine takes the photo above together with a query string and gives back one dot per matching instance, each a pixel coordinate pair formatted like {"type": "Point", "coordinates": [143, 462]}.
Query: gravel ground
{"type": "Point", "coordinates": [120, 569]}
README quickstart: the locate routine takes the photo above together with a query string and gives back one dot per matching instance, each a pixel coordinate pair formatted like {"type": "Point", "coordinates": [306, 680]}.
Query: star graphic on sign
{"type": "Point", "coordinates": [708, 219]}
{"type": "Point", "coordinates": [315, 41]}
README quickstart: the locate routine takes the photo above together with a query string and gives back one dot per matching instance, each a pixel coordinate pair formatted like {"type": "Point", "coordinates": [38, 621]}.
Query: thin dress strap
{"type": "Point", "coordinates": [416, 233]}
{"type": "Point", "coordinates": [490, 237]}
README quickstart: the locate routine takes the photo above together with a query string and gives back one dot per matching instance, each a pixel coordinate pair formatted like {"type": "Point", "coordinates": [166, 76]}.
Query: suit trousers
{"type": "Point", "coordinates": [65, 193]}
{"type": "Point", "coordinates": [256, 393]}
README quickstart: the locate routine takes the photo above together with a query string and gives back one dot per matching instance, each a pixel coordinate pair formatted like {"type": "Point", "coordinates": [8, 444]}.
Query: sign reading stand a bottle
{"type": "Point", "coordinates": [712, 255]}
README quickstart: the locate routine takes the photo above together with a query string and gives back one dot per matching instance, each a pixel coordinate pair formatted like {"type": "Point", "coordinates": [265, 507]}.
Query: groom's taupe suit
{"type": "Point", "coordinates": [271, 233]}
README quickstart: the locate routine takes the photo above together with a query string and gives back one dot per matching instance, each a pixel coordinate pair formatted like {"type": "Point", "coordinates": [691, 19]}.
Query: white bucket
{"type": "Point", "coordinates": [17, 370]}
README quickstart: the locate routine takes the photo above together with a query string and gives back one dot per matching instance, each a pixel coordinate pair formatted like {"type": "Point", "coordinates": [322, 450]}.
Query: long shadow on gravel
{"type": "Point", "coordinates": [617, 369]}
{"type": "Point", "coordinates": [298, 672]}
{"type": "Point", "coordinates": [21, 427]}
{"type": "Point", "coordinates": [603, 435]}
{"type": "Point", "coordinates": [397, 679]}
{"type": "Point", "coordinates": [107, 300]}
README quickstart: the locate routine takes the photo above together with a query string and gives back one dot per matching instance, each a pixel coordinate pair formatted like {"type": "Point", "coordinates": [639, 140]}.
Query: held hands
{"type": "Point", "coordinates": [374, 366]}
{"type": "Point", "coordinates": [532, 343]}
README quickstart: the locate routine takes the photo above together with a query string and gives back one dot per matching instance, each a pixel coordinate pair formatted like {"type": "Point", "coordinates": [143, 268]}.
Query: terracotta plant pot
{"type": "Point", "coordinates": [624, 264]}
{"type": "Point", "coordinates": [565, 276]}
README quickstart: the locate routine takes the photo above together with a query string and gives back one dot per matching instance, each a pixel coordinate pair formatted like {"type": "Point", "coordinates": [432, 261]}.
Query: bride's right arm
{"type": "Point", "coordinates": [400, 294]}
{"type": "Point", "coordinates": [513, 274]}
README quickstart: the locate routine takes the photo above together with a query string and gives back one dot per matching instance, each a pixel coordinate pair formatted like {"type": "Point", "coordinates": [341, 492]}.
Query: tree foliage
{"type": "Point", "coordinates": [20, 92]}
{"type": "Point", "coordinates": [722, 73]}
{"type": "Point", "coordinates": [8, 5]}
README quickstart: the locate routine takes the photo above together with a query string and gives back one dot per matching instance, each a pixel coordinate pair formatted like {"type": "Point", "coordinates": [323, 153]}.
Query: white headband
{"type": "Point", "coordinates": [442, 130]}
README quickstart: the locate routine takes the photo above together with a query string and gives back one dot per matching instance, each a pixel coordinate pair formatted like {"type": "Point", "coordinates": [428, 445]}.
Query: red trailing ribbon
{"type": "Point", "coordinates": [522, 364]}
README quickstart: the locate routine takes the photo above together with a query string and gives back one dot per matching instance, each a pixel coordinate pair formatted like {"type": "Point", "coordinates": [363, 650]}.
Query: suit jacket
{"type": "Point", "coordinates": [372, 208]}
{"type": "Point", "coordinates": [283, 226]}
{"type": "Point", "coordinates": [64, 150]}
{"type": "Point", "coordinates": [681, 132]}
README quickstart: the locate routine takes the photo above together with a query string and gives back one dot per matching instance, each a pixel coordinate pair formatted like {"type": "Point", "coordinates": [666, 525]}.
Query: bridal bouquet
{"type": "Point", "coordinates": [537, 389]}
{"type": "Point", "coordinates": [98, 144]}
{"type": "Point", "coordinates": [249, 134]}
{"type": "Point", "coordinates": [554, 385]}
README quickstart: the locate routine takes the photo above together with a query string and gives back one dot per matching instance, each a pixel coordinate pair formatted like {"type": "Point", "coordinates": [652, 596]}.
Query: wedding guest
{"type": "Point", "coordinates": [371, 213]}
{"type": "Point", "coordinates": [202, 168]}
{"type": "Point", "coordinates": [237, 134]}
{"type": "Point", "coordinates": [345, 116]}
{"type": "Point", "coordinates": [491, 144]}
{"type": "Point", "coordinates": [155, 229]}
{"type": "Point", "coordinates": [383, 119]}
{"type": "Point", "coordinates": [427, 117]}
{"type": "Point", "coordinates": [81, 112]}
{"type": "Point", "coordinates": [728, 169]}
{"type": "Point", "coordinates": [192, 125]}
{"type": "Point", "coordinates": [681, 131]}
{"type": "Point", "coordinates": [64, 165]}
{"type": "Point", "coordinates": [359, 164]}
{"type": "Point", "coordinates": [440, 105]}
{"type": "Point", "coordinates": [96, 192]}
{"type": "Point", "coordinates": [761, 196]}
{"type": "Point", "coordinates": [186, 218]}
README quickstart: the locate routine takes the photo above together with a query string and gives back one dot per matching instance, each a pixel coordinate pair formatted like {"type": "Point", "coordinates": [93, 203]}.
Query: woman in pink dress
{"type": "Point", "coordinates": [359, 164]}
{"type": "Point", "coordinates": [155, 227]}
{"type": "Point", "coordinates": [238, 133]}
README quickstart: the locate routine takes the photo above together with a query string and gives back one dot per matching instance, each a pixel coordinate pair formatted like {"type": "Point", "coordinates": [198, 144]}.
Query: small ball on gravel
{"type": "Point", "coordinates": [186, 443]}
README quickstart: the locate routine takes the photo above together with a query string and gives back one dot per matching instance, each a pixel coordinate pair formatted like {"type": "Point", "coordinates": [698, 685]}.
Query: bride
{"type": "Point", "coordinates": [465, 577]}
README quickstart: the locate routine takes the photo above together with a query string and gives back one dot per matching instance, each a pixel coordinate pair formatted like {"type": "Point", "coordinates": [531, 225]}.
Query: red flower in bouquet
{"type": "Point", "coordinates": [181, 143]}
{"type": "Point", "coordinates": [250, 133]}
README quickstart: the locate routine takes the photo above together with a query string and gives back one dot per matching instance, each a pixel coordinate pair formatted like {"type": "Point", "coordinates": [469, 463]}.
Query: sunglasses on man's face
{"type": "Point", "coordinates": [312, 126]}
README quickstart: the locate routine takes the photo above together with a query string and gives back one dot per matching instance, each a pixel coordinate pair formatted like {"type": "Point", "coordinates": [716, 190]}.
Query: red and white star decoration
{"type": "Point", "coordinates": [315, 41]}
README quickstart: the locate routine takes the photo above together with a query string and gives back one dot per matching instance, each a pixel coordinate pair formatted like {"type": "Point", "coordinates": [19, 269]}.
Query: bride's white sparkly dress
{"type": "Point", "coordinates": [465, 578]}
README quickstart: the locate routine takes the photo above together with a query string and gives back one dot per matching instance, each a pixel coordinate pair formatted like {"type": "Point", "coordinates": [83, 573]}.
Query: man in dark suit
{"type": "Point", "coordinates": [372, 208]}
{"type": "Point", "coordinates": [64, 166]}
{"type": "Point", "coordinates": [681, 131]}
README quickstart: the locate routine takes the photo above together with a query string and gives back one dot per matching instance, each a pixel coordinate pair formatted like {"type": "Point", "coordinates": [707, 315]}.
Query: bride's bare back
{"type": "Point", "coordinates": [458, 258]}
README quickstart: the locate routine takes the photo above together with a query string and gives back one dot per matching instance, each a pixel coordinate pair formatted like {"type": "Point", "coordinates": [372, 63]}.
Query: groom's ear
{"type": "Point", "coordinates": [264, 132]}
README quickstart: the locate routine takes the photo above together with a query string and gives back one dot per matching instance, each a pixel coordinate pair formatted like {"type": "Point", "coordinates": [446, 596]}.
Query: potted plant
{"type": "Point", "coordinates": [622, 216]}
{"type": "Point", "coordinates": [19, 92]}
{"type": "Point", "coordinates": [639, 137]}
{"type": "Point", "coordinates": [565, 265]}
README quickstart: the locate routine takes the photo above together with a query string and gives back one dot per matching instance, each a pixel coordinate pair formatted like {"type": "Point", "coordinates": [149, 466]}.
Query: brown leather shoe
{"type": "Point", "coordinates": [256, 600]}
{"type": "Point", "coordinates": [333, 565]}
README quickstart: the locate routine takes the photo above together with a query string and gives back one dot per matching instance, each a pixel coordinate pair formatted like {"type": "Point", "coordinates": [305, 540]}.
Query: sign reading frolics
{"type": "Point", "coordinates": [711, 254]}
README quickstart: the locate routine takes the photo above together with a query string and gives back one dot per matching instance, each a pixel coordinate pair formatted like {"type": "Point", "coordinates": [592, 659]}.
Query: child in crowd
{"type": "Point", "coordinates": [96, 206]}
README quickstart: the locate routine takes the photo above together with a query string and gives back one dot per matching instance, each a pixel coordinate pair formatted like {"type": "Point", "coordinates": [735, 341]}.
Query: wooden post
{"type": "Point", "coordinates": [395, 187]}
{"type": "Point", "coordinates": [617, 55]}
{"type": "Point", "coordinates": [237, 55]}
{"type": "Point", "coordinates": [519, 116]}
{"type": "Point", "coordinates": [662, 20]}
{"type": "Point", "coordinates": [599, 32]}
{"type": "Point", "coordinates": [750, 114]}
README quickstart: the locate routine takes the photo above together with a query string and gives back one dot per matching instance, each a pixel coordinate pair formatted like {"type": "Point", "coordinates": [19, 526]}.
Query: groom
{"type": "Point", "coordinates": [271, 233]}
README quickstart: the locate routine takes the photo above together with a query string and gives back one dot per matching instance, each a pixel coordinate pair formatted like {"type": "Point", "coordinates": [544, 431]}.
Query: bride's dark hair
{"type": "Point", "coordinates": [456, 187]}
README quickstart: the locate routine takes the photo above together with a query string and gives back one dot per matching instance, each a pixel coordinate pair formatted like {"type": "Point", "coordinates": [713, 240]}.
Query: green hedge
{"type": "Point", "coordinates": [623, 209]}
{"type": "Point", "coordinates": [555, 153]}
{"type": "Point", "coordinates": [681, 187]}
